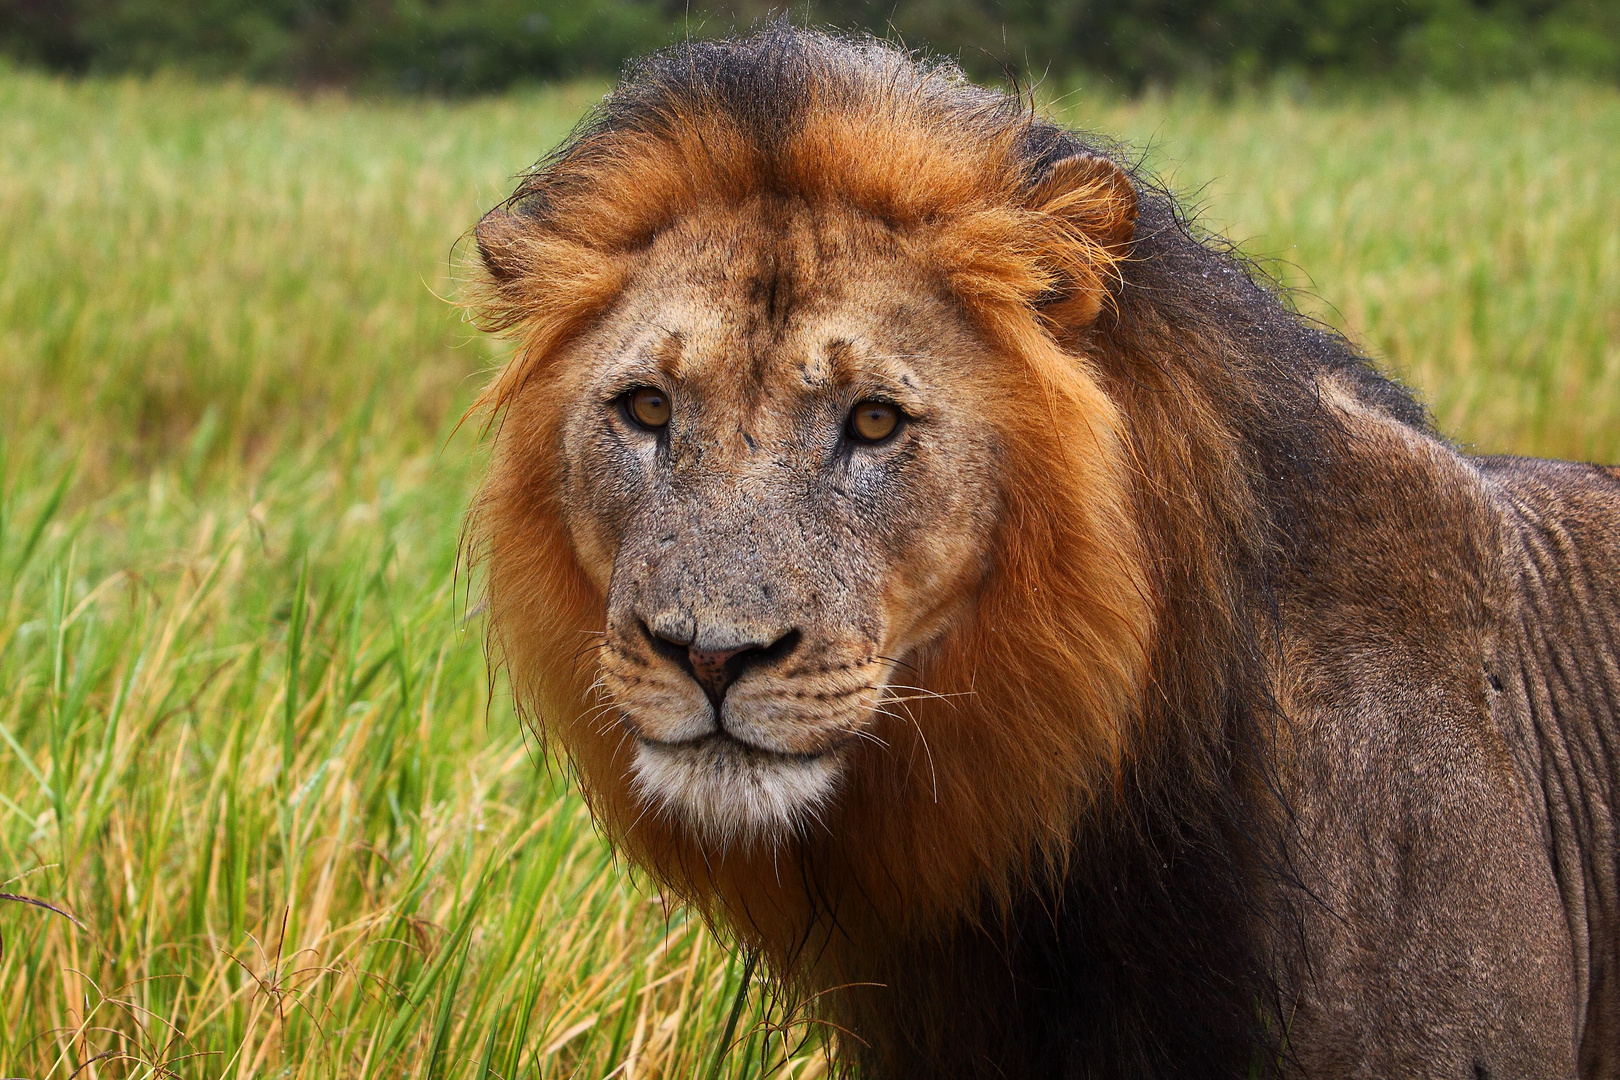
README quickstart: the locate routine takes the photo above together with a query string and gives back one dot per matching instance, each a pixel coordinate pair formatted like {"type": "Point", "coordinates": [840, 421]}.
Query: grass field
{"type": "Point", "coordinates": [246, 734]}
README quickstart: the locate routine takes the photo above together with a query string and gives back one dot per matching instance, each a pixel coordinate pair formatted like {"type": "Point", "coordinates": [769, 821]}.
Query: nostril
{"type": "Point", "coordinates": [777, 649]}
{"type": "Point", "coordinates": [673, 651]}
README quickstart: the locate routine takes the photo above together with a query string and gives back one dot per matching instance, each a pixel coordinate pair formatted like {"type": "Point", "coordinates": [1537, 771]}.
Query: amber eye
{"type": "Point", "coordinates": [873, 421]}
{"type": "Point", "coordinates": [648, 407]}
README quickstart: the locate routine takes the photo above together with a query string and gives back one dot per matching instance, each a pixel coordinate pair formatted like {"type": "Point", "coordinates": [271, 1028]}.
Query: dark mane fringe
{"type": "Point", "coordinates": [1158, 953]}
{"type": "Point", "coordinates": [1183, 901]}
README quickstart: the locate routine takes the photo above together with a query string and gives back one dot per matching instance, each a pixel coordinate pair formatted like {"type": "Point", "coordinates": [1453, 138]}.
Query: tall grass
{"type": "Point", "coordinates": [248, 746]}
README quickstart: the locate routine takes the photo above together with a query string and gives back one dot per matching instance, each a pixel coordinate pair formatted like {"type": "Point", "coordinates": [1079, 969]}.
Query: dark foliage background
{"type": "Point", "coordinates": [466, 46]}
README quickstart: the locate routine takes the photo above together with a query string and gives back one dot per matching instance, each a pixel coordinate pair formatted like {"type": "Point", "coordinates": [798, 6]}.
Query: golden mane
{"type": "Point", "coordinates": [914, 147]}
{"type": "Point", "coordinates": [1043, 683]}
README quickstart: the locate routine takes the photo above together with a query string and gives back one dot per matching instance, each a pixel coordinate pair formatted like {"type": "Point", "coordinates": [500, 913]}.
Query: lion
{"type": "Point", "coordinates": [975, 589]}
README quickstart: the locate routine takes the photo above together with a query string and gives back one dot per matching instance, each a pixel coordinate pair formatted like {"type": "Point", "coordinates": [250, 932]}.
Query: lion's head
{"type": "Point", "coordinates": [810, 535]}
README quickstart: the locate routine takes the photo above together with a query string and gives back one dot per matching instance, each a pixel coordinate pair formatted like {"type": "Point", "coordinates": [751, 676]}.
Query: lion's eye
{"type": "Point", "coordinates": [873, 421]}
{"type": "Point", "coordinates": [648, 407]}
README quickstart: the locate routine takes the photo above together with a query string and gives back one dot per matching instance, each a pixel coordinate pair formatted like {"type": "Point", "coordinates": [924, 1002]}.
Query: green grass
{"type": "Point", "coordinates": [246, 733]}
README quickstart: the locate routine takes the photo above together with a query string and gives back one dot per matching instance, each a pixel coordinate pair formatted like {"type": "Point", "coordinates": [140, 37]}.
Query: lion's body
{"type": "Point", "coordinates": [1156, 696]}
{"type": "Point", "coordinates": [1450, 674]}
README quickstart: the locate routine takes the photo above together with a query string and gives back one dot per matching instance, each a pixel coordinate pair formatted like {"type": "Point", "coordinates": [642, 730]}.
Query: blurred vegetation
{"type": "Point", "coordinates": [463, 46]}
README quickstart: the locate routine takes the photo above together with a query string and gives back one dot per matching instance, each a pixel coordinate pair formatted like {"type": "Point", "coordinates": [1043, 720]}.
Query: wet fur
{"type": "Point", "coordinates": [1139, 862]}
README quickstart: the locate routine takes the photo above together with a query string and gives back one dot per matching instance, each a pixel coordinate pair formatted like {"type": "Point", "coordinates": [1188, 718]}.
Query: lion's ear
{"type": "Point", "coordinates": [500, 234]}
{"type": "Point", "coordinates": [1093, 195]}
{"type": "Point", "coordinates": [1093, 202]}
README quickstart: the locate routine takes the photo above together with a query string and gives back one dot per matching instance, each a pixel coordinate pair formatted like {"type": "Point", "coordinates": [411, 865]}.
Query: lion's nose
{"type": "Point", "coordinates": [716, 669]}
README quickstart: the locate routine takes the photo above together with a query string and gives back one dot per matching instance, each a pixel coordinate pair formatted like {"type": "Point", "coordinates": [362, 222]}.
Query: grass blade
{"type": "Point", "coordinates": [750, 958]}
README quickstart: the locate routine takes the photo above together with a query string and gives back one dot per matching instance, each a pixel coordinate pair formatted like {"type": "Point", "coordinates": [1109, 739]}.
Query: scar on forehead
{"type": "Point", "coordinates": [844, 361]}
{"type": "Point", "coordinates": [821, 366]}
{"type": "Point", "coordinates": [669, 354]}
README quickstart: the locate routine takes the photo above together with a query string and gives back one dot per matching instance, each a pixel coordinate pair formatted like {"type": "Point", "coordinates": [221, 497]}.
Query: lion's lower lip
{"type": "Point", "coordinates": [725, 738]}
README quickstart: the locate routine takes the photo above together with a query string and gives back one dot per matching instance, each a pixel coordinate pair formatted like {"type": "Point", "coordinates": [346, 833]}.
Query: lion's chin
{"type": "Point", "coordinates": [732, 794]}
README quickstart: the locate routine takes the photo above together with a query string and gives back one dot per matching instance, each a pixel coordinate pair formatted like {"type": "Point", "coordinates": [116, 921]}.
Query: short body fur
{"type": "Point", "coordinates": [1163, 699]}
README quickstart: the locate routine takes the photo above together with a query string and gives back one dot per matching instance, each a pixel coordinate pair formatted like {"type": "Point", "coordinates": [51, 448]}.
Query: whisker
{"type": "Point", "coordinates": [870, 737]}
{"type": "Point", "coordinates": [580, 652]}
{"type": "Point", "coordinates": [595, 713]}
{"type": "Point", "coordinates": [624, 733]}
{"type": "Point", "coordinates": [928, 751]}
{"type": "Point", "coordinates": [924, 692]}
{"type": "Point", "coordinates": [603, 723]}
{"type": "Point", "coordinates": [647, 801]}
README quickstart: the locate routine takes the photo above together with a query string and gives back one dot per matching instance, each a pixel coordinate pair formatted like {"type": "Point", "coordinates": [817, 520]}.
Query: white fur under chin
{"type": "Point", "coordinates": [730, 794]}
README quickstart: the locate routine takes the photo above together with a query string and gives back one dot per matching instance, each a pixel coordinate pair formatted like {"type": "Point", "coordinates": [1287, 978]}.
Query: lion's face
{"type": "Point", "coordinates": [811, 529]}
{"type": "Point", "coordinates": [778, 469]}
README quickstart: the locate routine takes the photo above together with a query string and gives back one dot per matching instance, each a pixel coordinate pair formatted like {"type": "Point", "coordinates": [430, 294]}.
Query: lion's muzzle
{"type": "Point", "coordinates": [740, 726]}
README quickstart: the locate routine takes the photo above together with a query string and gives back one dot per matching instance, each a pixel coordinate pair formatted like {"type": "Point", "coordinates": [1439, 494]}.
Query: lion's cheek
{"type": "Point", "coordinates": [934, 576]}
{"type": "Point", "coordinates": [593, 551]}
{"type": "Point", "coordinates": [602, 489]}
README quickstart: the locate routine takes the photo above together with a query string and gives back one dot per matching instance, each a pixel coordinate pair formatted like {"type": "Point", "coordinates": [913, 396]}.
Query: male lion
{"type": "Point", "coordinates": [1011, 615]}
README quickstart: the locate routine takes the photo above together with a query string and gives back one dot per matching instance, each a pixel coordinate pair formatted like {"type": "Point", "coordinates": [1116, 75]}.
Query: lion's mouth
{"type": "Point", "coordinates": [730, 791]}
{"type": "Point", "coordinates": [740, 745]}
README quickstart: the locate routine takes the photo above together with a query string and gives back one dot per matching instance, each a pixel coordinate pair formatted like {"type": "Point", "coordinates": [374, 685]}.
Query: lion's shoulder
{"type": "Point", "coordinates": [1451, 668]}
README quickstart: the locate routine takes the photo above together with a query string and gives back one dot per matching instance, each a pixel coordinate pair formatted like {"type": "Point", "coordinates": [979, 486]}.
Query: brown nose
{"type": "Point", "coordinates": [716, 669]}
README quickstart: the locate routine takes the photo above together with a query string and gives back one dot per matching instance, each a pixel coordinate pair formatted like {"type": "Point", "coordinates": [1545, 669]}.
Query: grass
{"type": "Point", "coordinates": [247, 739]}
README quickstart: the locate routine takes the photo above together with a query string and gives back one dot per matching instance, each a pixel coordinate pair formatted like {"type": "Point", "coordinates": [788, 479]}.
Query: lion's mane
{"type": "Point", "coordinates": [1092, 807]}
